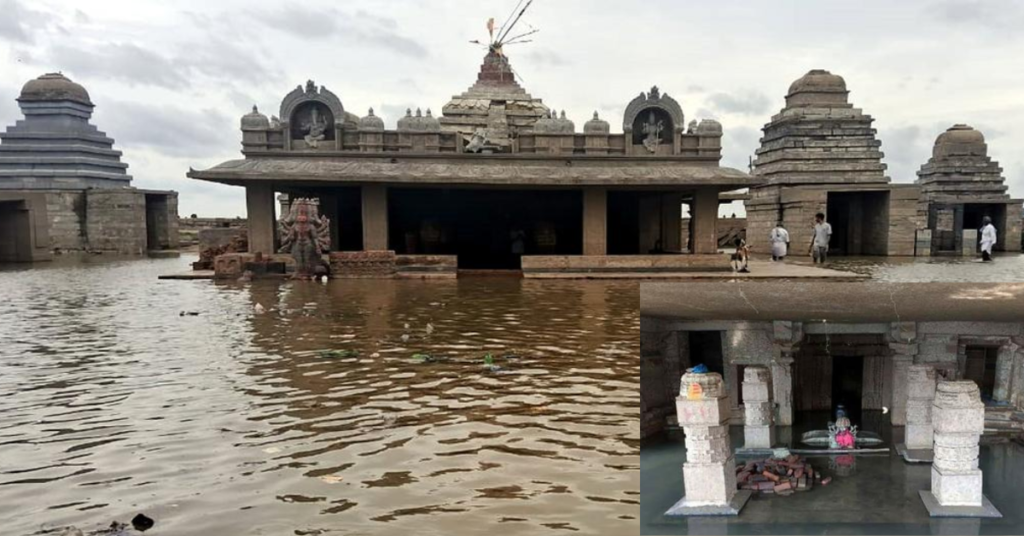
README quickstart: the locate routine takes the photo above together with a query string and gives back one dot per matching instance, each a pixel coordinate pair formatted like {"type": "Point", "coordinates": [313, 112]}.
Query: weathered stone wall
{"type": "Point", "coordinates": [116, 221]}
{"type": "Point", "coordinates": [66, 211]}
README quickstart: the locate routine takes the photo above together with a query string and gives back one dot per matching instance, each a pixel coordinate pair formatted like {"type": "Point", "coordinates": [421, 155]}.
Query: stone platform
{"type": "Point", "coordinates": [915, 455]}
{"type": "Point", "coordinates": [685, 508]}
{"type": "Point", "coordinates": [674, 267]}
{"type": "Point", "coordinates": [937, 510]}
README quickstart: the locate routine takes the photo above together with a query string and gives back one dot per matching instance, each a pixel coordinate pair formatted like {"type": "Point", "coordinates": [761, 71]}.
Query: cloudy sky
{"type": "Point", "coordinates": [171, 79]}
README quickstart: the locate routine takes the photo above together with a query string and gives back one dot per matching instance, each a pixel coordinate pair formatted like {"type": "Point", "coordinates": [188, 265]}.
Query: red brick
{"type": "Point", "coordinates": [799, 472]}
{"type": "Point", "coordinates": [770, 476]}
{"type": "Point", "coordinates": [826, 480]}
{"type": "Point", "coordinates": [783, 486]}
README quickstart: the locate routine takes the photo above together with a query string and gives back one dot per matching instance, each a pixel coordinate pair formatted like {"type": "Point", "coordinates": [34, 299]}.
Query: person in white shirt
{"type": "Point", "coordinates": [779, 239]}
{"type": "Point", "coordinates": [988, 238]}
{"type": "Point", "coordinates": [819, 240]}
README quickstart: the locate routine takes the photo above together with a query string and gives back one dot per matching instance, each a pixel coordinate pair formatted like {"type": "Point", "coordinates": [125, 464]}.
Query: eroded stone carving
{"type": "Point", "coordinates": [315, 128]}
{"type": "Point", "coordinates": [758, 429]}
{"type": "Point", "coordinates": [306, 235]}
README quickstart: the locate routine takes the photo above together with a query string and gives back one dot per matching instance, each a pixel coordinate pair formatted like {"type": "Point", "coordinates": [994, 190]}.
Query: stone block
{"type": "Point", "coordinates": [758, 414]}
{"type": "Point", "coordinates": [707, 444]}
{"type": "Point", "coordinates": [711, 483]}
{"type": "Point", "coordinates": [357, 264]}
{"type": "Point", "coordinates": [693, 386]}
{"type": "Point", "coordinates": [958, 420]}
{"type": "Point", "coordinates": [706, 412]}
{"type": "Point", "coordinates": [919, 411]}
{"type": "Point", "coordinates": [919, 436]}
{"type": "Point", "coordinates": [956, 459]}
{"type": "Point", "coordinates": [957, 489]}
{"type": "Point", "coordinates": [758, 436]}
{"type": "Point", "coordinates": [755, 392]}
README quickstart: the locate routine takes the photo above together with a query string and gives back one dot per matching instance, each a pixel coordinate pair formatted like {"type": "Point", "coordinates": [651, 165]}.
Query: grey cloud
{"type": "Point", "coordinates": [126, 62]}
{"type": "Point", "coordinates": [906, 148]}
{"type": "Point", "coordinates": [745, 102]}
{"type": "Point", "coordinates": [391, 113]}
{"type": "Point", "coordinates": [358, 29]}
{"type": "Point", "coordinates": [992, 14]}
{"type": "Point", "coordinates": [169, 130]}
{"type": "Point", "coordinates": [18, 22]}
{"type": "Point", "coordinates": [545, 58]}
{"type": "Point", "coordinates": [738, 145]}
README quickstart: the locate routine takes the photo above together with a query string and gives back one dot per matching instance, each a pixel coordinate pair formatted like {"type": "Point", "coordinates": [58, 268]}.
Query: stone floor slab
{"type": "Point", "coordinates": [937, 510]}
{"type": "Point", "coordinates": [915, 455]}
{"type": "Point", "coordinates": [732, 509]}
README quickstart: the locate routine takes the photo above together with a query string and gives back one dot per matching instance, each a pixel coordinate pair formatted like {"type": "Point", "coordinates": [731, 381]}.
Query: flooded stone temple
{"type": "Point", "coordinates": [495, 167]}
{"type": "Point", "coordinates": [64, 188]}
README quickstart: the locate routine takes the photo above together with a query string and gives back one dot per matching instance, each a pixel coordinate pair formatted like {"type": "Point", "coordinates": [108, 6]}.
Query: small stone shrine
{"type": "Point", "coordinates": [709, 474]}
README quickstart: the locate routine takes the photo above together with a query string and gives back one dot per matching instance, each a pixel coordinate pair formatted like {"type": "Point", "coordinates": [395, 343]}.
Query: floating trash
{"type": "Point", "coordinates": [338, 354]}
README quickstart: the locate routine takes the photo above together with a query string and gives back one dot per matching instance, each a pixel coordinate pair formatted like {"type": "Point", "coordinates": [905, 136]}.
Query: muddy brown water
{"type": "Point", "coordinates": [225, 421]}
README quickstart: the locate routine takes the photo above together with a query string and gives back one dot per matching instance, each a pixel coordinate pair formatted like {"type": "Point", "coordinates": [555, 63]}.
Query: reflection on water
{"type": "Point", "coordinates": [115, 400]}
{"type": "Point", "coordinates": [1007, 268]}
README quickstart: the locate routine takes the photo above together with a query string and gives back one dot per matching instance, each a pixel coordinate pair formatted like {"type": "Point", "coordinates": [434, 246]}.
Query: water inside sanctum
{"type": "Point", "coordinates": [357, 407]}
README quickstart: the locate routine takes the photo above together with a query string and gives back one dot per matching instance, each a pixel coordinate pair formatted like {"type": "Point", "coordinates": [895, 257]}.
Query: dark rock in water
{"type": "Point", "coordinates": [142, 523]}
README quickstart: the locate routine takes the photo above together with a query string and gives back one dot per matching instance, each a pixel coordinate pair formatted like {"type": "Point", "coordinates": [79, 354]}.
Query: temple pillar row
{"type": "Point", "coordinates": [259, 206]}
{"type": "Point", "coordinates": [782, 388]}
{"type": "Point", "coordinates": [595, 221]}
{"type": "Point", "coordinates": [375, 217]}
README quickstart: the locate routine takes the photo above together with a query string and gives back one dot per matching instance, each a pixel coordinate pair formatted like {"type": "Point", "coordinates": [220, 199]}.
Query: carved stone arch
{"type": "Point", "coordinates": [654, 99]}
{"type": "Point", "coordinates": [311, 93]}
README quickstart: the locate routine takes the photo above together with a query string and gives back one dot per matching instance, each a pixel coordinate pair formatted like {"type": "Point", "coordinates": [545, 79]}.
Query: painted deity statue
{"type": "Point", "coordinates": [842, 434]}
{"type": "Point", "coordinates": [652, 130]}
{"type": "Point", "coordinates": [316, 127]}
{"type": "Point", "coordinates": [306, 235]}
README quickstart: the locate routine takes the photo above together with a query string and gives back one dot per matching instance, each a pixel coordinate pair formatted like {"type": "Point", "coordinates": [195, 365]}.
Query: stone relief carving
{"type": "Point", "coordinates": [311, 93]}
{"type": "Point", "coordinates": [306, 235]}
{"type": "Point", "coordinates": [654, 99]}
{"type": "Point", "coordinates": [315, 128]}
{"type": "Point", "coordinates": [652, 133]}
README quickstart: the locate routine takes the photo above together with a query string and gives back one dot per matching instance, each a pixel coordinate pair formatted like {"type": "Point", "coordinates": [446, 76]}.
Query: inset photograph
{"type": "Point", "coordinates": [845, 408]}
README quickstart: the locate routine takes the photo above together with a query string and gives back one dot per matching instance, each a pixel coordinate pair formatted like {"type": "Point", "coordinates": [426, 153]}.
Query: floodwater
{"type": "Point", "coordinates": [1006, 268]}
{"type": "Point", "coordinates": [869, 494]}
{"type": "Point", "coordinates": [115, 400]}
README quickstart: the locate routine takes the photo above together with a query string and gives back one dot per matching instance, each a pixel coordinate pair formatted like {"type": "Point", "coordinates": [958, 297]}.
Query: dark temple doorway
{"type": "Point", "coordinates": [706, 348]}
{"type": "Point", "coordinates": [15, 238]}
{"type": "Point", "coordinates": [854, 370]}
{"type": "Point", "coordinates": [486, 229]}
{"type": "Point", "coordinates": [860, 223]}
{"type": "Point", "coordinates": [980, 367]}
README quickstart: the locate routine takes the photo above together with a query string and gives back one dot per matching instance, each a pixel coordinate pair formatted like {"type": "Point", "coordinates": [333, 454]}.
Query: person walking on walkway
{"type": "Point", "coordinates": [819, 240]}
{"type": "Point", "coordinates": [779, 239]}
{"type": "Point", "coordinates": [988, 239]}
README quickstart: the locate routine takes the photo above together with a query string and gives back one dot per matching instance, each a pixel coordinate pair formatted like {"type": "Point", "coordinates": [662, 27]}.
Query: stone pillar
{"type": "Point", "coordinates": [671, 221]}
{"type": "Point", "coordinates": [970, 243]}
{"type": "Point", "coordinates": [782, 388]}
{"type": "Point", "coordinates": [959, 419]}
{"type": "Point", "coordinates": [595, 221]}
{"type": "Point", "coordinates": [375, 217]}
{"type": "Point", "coordinates": [920, 396]}
{"type": "Point", "coordinates": [704, 213]}
{"type": "Point", "coordinates": [259, 207]}
{"type": "Point", "coordinates": [758, 428]}
{"type": "Point", "coordinates": [709, 474]}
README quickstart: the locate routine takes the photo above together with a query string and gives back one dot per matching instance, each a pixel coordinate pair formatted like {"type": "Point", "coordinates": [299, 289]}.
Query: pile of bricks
{"type": "Point", "coordinates": [782, 476]}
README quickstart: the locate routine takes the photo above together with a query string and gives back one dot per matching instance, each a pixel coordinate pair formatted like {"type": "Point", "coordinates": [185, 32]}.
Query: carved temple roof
{"type": "Point", "coordinates": [541, 172]}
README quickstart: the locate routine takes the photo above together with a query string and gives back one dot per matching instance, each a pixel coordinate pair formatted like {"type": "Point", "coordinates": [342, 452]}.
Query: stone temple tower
{"type": "Point", "coordinates": [962, 185]}
{"type": "Point", "coordinates": [56, 147]}
{"type": "Point", "coordinates": [821, 154]}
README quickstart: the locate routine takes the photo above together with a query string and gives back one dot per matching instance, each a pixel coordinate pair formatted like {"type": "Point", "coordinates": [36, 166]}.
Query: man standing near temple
{"type": "Point", "coordinates": [779, 240]}
{"type": "Point", "coordinates": [820, 239]}
{"type": "Point", "coordinates": [988, 239]}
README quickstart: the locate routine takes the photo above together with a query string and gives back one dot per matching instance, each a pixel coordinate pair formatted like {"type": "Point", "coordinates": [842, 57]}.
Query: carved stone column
{"type": "Point", "coordinates": [920, 396]}
{"type": "Point", "coordinates": [759, 427]}
{"type": "Point", "coordinates": [709, 474]}
{"type": "Point", "coordinates": [959, 420]}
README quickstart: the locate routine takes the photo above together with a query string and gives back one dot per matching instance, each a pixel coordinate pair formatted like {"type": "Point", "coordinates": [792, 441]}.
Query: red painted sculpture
{"type": "Point", "coordinates": [306, 235]}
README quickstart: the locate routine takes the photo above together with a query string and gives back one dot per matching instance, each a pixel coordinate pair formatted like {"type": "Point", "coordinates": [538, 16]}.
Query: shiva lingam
{"type": "Point", "coordinates": [841, 434]}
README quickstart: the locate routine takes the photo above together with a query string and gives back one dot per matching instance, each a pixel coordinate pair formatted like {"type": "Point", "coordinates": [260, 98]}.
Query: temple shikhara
{"type": "Point", "coordinates": [497, 180]}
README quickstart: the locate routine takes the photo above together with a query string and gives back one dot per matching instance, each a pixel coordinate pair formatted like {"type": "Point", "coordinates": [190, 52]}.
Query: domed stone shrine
{"type": "Point", "coordinates": [497, 180]}
{"type": "Point", "coordinates": [821, 154]}
{"type": "Point", "coordinates": [63, 186]}
{"type": "Point", "coordinates": [962, 185]}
